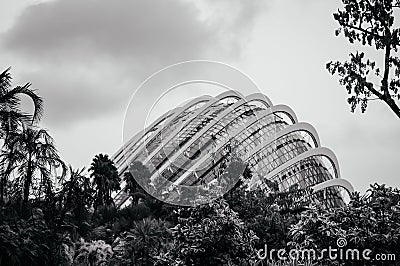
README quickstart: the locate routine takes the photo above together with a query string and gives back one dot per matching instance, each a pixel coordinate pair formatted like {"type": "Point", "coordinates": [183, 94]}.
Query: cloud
{"type": "Point", "coordinates": [90, 54]}
{"type": "Point", "coordinates": [235, 20]}
{"type": "Point", "coordinates": [119, 28]}
{"type": "Point", "coordinates": [75, 96]}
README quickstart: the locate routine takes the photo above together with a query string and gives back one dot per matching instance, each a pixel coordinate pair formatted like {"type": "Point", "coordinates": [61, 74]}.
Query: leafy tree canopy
{"type": "Point", "coordinates": [370, 23]}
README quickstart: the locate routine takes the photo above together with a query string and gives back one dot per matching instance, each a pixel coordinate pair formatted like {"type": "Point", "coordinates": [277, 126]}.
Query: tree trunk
{"type": "Point", "coordinates": [28, 181]}
{"type": "Point", "coordinates": [393, 106]}
{"type": "Point", "coordinates": [26, 188]}
{"type": "Point", "coordinates": [387, 98]}
{"type": "Point", "coordinates": [3, 182]}
{"type": "Point", "coordinates": [2, 187]}
{"type": "Point", "coordinates": [2, 190]}
{"type": "Point", "coordinates": [67, 203]}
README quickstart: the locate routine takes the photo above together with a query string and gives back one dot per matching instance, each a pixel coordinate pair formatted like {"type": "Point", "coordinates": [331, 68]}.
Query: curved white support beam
{"type": "Point", "coordinates": [265, 113]}
{"type": "Point", "coordinates": [332, 183]}
{"type": "Point", "coordinates": [275, 109]}
{"type": "Point", "coordinates": [260, 98]}
{"type": "Point", "coordinates": [321, 151]}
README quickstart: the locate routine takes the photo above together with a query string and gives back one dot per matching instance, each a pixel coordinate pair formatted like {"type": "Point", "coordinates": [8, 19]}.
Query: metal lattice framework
{"type": "Point", "coordinates": [188, 144]}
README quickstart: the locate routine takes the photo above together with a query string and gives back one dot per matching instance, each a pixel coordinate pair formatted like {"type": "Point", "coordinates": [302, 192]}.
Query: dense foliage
{"type": "Point", "coordinates": [369, 222]}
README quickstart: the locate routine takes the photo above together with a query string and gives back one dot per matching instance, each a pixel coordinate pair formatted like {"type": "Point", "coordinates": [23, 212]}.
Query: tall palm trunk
{"type": "Point", "coordinates": [4, 179]}
{"type": "Point", "coordinates": [28, 180]}
{"type": "Point", "coordinates": [2, 185]}
{"type": "Point", "coordinates": [3, 182]}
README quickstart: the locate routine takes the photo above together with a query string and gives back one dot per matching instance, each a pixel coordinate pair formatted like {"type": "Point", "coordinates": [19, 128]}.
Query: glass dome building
{"type": "Point", "coordinates": [191, 144]}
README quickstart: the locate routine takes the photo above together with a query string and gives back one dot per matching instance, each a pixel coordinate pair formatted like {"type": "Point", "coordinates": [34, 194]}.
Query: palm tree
{"type": "Point", "coordinates": [105, 179]}
{"type": "Point", "coordinates": [11, 117]}
{"type": "Point", "coordinates": [31, 153]}
{"type": "Point", "coordinates": [76, 194]}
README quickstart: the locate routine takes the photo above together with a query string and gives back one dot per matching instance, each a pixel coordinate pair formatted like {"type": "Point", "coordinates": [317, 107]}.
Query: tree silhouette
{"type": "Point", "coordinates": [76, 195]}
{"type": "Point", "coordinates": [32, 156]}
{"type": "Point", "coordinates": [370, 23]}
{"type": "Point", "coordinates": [105, 179]}
{"type": "Point", "coordinates": [11, 116]}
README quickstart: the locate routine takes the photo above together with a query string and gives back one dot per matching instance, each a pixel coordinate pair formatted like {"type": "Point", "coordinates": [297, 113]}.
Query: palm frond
{"type": "Point", "coordinates": [36, 99]}
{"type": "Point", "coordinates": [5, 80]}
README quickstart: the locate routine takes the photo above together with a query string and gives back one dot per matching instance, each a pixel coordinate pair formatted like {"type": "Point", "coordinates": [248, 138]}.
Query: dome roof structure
{"type": "Point", "coordinates": [190, 144]}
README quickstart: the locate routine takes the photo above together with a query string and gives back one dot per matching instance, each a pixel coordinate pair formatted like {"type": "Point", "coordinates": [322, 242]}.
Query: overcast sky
{"type": "Point", "coordinates": [87, 57]}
